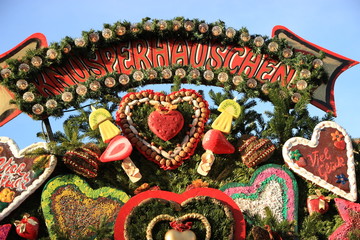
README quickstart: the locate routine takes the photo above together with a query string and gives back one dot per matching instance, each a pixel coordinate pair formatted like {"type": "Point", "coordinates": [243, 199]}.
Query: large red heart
{"type": "Point", "coordinates": [166, 124]}
{"type": "Point", "coordinates": [324, 160]}
{"type": "Point", "coordinates": [132, 119]}
{"type": "Point", "coordinates": [20, 175]}
{"type": "Point", "coordinates": [125, 211]}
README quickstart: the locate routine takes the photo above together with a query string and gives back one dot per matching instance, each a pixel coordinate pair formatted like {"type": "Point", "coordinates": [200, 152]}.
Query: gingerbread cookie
{"type": "Point", "coordinates": [21, 175]}
{"type": "Point", "coordinates": [326, 160]}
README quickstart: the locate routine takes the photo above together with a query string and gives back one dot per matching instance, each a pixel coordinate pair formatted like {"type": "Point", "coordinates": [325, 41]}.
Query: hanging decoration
{"type": "Point", "coordinates": [326, 160]}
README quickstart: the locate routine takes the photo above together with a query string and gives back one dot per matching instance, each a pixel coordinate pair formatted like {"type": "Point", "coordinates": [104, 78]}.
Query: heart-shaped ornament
{"type": "Point", "coordinates": [181, 143]}
{"type": "Point", "coordinates": [165, 122]}
{"type": "Point", "coordinates": [21, 175]}
{"type": "Point", "coordinates": [173, 203]}
{"type": "Point", "coordinates": [71, 207]}
{"type": "Point", "coordinates": [329, 159]}
{"type": "Point", "coordinates": [271, 186]}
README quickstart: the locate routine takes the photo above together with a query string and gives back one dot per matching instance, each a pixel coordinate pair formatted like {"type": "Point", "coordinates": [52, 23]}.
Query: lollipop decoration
{"type": "Point", "coordinates": [120, 148]}
{"type": "Point", "coordinates": [214, 141]}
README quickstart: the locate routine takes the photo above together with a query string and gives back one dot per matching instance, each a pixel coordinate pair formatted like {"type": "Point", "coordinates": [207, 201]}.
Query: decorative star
{"type": "Point", "coordinates": [334, 65]}
{"type": "Point", "coordinates": [341, 179]}
{"type": "Point", "coordinates": [4, 231]}
{"type": "Point", "coordinates": [350, 213]}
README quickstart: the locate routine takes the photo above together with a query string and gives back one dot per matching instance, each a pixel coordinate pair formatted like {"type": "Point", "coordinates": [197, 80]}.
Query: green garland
{"type": "Point", "coordinates": [57, 54]}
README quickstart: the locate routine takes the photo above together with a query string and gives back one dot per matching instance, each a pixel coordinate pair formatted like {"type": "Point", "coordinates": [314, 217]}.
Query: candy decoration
{"type": "Point", "coordinates": [21, 174]}
{"type": "Point", "coordinates": [84, 160]}
{"type": "Point", "coordinates": [214, 142]}
{"type": "Point", "coordinates": [254, 151]}
{"type": "Point", "coordinates": [318, 203]}
{"type": "Point", "coordinates": [350, 213]}
{"type": "Point", "coordinates": [120, 148]}
{"type": "Point", "coordinates": [27, 227]}
{"type": "Point", "coordinates": [325, 161]}
{"type": "Point", "coordinates": [166, 122]}
{"type": "Point", "coordinates": [271, 186]}
{"type": "Point", "coordinates": [229, 109]}
{"type": "Point", "coordinates": [4, 231]}
{"type": "Point", "coordinates": [100, 118]}
{"type": "Point", "coordinates": [71, 207]}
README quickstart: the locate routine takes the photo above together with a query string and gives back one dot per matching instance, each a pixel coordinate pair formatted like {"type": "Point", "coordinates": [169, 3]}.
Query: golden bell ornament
{"type": "Point", "coordinates": [176, 235]}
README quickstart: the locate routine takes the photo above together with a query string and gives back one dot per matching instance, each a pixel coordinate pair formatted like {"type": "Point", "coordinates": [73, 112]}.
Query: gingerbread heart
{"type": "Point", "coordinates": [71, 207]}
{"type": "Point", "coordinates": [132, 118]}
{"type": "Point", "coordinates": [271, 186]}
{"type": "Point", "coordinates": [21, 175]}
{"type": "Point", "coordinates": [327, 162]}
{"type": "Point", "coordinates": [173, 204]}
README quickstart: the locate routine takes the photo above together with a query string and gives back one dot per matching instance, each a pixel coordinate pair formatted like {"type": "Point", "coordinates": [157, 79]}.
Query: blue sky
{"type": "Point", "coordinates": [332, 24]}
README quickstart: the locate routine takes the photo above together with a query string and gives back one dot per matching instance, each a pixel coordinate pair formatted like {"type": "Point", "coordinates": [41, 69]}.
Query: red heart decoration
{"type": "Point", "coordinates": [21, 175]}
{"type": "Point", "coordinates": [328, 166]}
{"type": "Point", "coordinates": [172, 154]}
{"type": "Point", "coordinates": [126, 209]}
{"type": "Point", "coordinates": [340, 144]}
{"type": "Point", "coordinates": [166, 124]}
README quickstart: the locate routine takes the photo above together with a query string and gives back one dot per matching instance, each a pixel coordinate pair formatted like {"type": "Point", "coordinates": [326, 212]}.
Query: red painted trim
{"type": "Point", "coordinates": [36, 37]}
{"type": "Point", "coordinates": [126, 209]}
{"type": "Point", "coordinates": [329, 105]}
{"type": "Point", "coordinates": [41, 42]}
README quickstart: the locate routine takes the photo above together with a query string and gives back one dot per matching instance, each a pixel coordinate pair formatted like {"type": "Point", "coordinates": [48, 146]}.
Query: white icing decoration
{"type": "Point", "coordinates": [270, 197]}
{"type": "Point", "coordinates": [352, 194]}
{"type": "Point", "coordinates": [36, 183]}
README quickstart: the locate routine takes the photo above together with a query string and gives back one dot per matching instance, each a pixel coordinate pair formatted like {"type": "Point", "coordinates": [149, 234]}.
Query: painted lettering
{"type": "Point", "coordinates": [124, 57]}
{"type": "Point", "coordinates": [12, 174]}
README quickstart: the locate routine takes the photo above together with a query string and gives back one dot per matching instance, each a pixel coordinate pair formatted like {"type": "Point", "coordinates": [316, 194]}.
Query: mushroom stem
{"type": "Point", "coordinates": [207, 160]}
{"type": "Point", "coordinates": [131, 170]}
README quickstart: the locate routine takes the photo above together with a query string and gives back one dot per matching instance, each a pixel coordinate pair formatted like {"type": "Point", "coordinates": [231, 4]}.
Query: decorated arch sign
{"type": "Point", "coordinates": [101, 64]}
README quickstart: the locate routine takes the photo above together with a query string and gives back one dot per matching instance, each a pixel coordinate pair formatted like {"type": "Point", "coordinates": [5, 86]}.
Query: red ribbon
{"type": "Point", "coordinates": [181, 227]}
